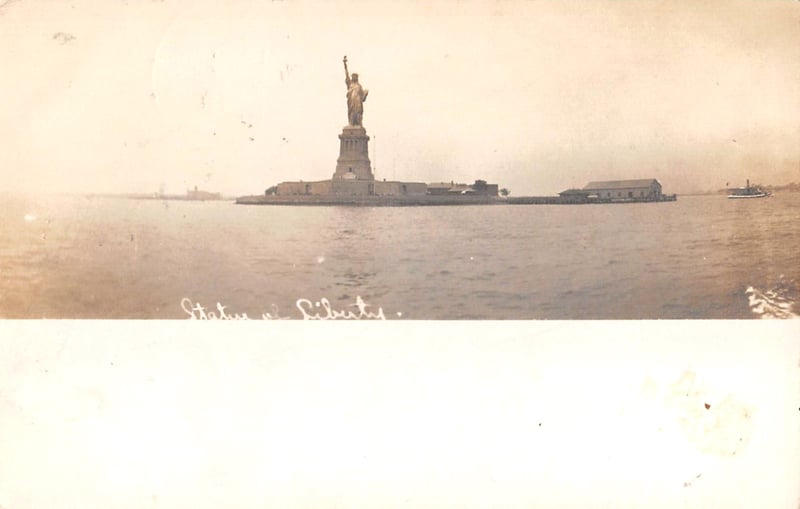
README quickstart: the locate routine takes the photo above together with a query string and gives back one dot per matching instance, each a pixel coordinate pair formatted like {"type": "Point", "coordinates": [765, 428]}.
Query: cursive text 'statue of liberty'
{"type": "Point", "coordinates": [317, 310]}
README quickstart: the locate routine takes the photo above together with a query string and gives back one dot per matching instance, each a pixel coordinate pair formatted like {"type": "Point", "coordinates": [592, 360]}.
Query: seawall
{"type": "Point", "coordinates": [370, 201]}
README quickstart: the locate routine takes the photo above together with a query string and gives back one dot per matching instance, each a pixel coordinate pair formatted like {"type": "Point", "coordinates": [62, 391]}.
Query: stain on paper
{"type": "Point", "coordinates": [723, 428]}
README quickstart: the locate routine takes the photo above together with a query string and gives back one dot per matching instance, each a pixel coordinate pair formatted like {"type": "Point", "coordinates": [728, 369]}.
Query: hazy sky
{"type": "Point", "coordinates": [130, 96]}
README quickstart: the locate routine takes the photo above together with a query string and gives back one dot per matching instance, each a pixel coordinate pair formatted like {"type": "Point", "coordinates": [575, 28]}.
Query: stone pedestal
{"type": "Point", "coordinates": [353, 162]}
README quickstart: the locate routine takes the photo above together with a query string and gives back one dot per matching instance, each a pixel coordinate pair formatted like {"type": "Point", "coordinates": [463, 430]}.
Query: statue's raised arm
{"type": "Point", "coordinates": [346, 73]}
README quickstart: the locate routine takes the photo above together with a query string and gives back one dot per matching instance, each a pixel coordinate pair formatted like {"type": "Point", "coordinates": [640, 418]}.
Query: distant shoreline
{"type": "Point", "coordinates": [155, 196]}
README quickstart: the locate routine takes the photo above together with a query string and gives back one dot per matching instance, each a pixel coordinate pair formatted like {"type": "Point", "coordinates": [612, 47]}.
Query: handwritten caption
{"type": "Point", "coordinates": [309, 310]}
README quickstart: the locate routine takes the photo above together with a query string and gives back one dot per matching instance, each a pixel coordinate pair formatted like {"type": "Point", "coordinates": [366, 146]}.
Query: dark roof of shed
{"type": "Point", "coordinates": [574, 191]}
{"type": "Point", "coordinates": [620, 184]}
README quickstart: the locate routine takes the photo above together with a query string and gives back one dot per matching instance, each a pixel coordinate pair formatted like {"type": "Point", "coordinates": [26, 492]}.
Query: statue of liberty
{"type": "Point", "coordinates": [356, 95]}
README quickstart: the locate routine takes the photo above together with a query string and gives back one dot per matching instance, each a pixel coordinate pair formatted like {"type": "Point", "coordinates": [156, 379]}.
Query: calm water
{"type": "Point", "coordinates": [699, 257]}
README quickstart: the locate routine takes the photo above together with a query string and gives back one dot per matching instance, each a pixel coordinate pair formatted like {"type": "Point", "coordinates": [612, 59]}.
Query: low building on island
{"type": "Point", "coordinates": [625, 190]}
{"type": "Point", "coordinates": [479, 188]}
{"type": "Point", "coordinates": [609, 191]}
{"type": "Point", "coordinates": [617, 191]}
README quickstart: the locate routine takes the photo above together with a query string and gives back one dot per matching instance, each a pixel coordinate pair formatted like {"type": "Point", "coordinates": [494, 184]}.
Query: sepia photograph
{"type": "Point", "coordinates": [560, 242]}
{"type": "Point", "coordinates": [452, 161]}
